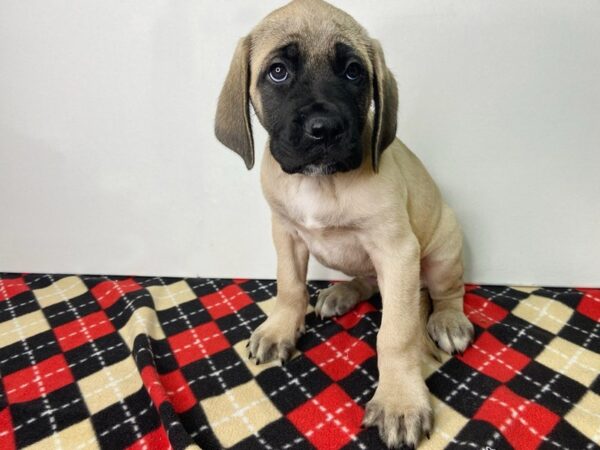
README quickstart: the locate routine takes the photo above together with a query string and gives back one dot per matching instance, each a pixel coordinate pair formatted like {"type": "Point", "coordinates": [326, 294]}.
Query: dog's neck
{"type": "Point", "coordinates": [318, 199]}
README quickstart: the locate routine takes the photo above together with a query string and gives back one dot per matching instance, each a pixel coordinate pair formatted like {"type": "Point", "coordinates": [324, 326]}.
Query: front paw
{"type": "Point", "coordinates": [401, 415]}
{"type": "Point", "coordinates": [274, 339]}
{"type": "Point", "coordinates": [451, 330]}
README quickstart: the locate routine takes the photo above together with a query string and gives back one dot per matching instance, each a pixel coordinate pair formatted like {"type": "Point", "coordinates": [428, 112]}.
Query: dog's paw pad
{"type": "Point", "coordinates": [336, 300]}
{"type": "Point", "coordinates": [451, 330]}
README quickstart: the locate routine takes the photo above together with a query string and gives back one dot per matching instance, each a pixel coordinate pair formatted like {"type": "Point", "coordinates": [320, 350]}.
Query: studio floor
{"type": "Point", "coordinates": [152, 363]}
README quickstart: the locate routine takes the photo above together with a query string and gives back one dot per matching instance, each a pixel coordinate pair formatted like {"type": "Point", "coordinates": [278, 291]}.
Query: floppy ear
{"type": "Point", "coordinates": [232, 123]}
{"type": "Point", "coordinates": [385, 96]}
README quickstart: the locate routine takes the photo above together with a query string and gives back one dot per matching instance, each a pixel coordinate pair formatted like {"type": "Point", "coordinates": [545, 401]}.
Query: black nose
{"type": "Point", "coordinates": [323, 127]}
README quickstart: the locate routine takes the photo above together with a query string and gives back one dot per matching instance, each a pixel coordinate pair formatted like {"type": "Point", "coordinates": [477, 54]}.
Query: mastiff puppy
{"type": "Point", "coordinates": [343, 188]}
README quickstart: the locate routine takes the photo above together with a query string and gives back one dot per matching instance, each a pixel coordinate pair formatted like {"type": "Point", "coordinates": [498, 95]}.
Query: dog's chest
{"type": "Point", "coordinates": [338, 249]}
{"type": "Point", "coordinates": [328, 227]}
{"type": "Point", "coordinates": [314, 209]}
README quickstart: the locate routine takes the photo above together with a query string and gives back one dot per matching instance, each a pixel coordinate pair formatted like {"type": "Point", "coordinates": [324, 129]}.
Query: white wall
{"type": "Point", "coordinates": [108, 162]}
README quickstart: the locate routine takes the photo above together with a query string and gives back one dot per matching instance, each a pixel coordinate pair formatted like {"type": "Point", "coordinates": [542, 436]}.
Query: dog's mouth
{"type": "Point", "coordinates": [316, 167]}
{"type": "Point", "coordinates": [316, 160]}
{"type": "Point", "coordinates": [320, 169]}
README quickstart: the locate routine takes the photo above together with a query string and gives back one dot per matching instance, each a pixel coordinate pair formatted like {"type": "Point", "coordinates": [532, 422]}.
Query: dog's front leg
{"type": "Point", "coordinates": [400, 407]}
{"type": "Point", "coordinates": [276, 337]}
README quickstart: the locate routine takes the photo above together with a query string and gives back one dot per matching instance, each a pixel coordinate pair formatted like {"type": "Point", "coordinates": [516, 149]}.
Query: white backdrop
{"type": "Point", "coordinates": [108, 163]}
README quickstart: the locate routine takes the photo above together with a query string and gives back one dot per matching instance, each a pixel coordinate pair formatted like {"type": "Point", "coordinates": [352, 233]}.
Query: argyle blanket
{"type": "Point", "coordinates": [152, 363]}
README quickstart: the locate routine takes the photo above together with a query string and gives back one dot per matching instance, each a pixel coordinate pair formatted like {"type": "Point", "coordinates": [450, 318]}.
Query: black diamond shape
{"type": "Point", "coordinates": [121, 311]}
{"type": "Point", "coordinates": [17, 356]}
{"type": "Point", "coordinates": [278, 434]}
{"type": "Point", "coordinates": [503, 296]}
{"type": "Point", "coordinates": [67, 408]}
{"type": "Point", "coordinates": [93, 356]}
{"type": "Point", "coordinates": [116, 429]}
{"type": "Point", "coordinates": [288, 389]}
{"type": "Point", "coordinates": [460, 386]}
{"type": "Point", "coordinates": [259, 290]}
{"type": "Point", "coordinates": [556, 392]}
{"type": "Point", "coordinates": [568, 296]}
{"type": "Point", "coordinates": [368, 438]}
{"type": "Point", "coordinates": [366, 328]}
{"type": "Point", "coordinates": [196, 423]}
{"type": "Point", "coordinates": [358, 385]}
{"type": "Point", "coordinates": [522, 336]}
{"type": "Point", "coordinates": [596, 385]}
{"type": "Point", "coordinates": [238, 327]}
{"type": "Point", "coordinates": [205, 286]}
{"type": "Point", "coordinates": [582, 331]}
{"type": "Point", "coordinates": [177, 319]}
{"type": "Point", "coordinates": [208, 377]}
{"type": "Point", "coordinates": [19, 305]}
{"type": "Point", "coordinates": [164, 359]}
{"type": "Point", "coordinates": [92, 281]}
{"type": "Point", "coordinates": [69, 310]}
{"type": "Point", "coordinates": [563, 435]}
{"type": "Point", "coordinates": [317, 333]}
{"type": "Point", "coordinates": [40, 281]}
{"type": "Point", "coordinates": [479, 434]}
{"type": "Point", "coordinates": [179, 437]}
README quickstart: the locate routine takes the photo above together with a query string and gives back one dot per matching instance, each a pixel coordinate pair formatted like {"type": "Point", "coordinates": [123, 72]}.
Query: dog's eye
{"type": "Point", "coordinates": [278, 73]}
{"type": "Point", "coordinates": [352, 71]}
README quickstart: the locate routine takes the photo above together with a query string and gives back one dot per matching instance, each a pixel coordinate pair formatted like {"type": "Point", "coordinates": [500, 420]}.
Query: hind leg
{"type": "Point", "coordinates": [443, 271]}
{"type": "Point", "coordinates": [340, 298]}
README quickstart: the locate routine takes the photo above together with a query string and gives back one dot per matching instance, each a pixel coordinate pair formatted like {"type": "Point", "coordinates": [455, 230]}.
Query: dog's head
{"type": "Point", "coordinates": [311, 73]}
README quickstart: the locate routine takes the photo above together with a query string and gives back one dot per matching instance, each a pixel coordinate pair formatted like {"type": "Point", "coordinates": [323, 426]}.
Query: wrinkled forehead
{"type": "Point", "coordinates": [315, 35]}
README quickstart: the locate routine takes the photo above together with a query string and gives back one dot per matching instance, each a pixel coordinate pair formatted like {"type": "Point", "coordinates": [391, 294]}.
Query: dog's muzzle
{"type": "Point", "coordinates": [322, 123]}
